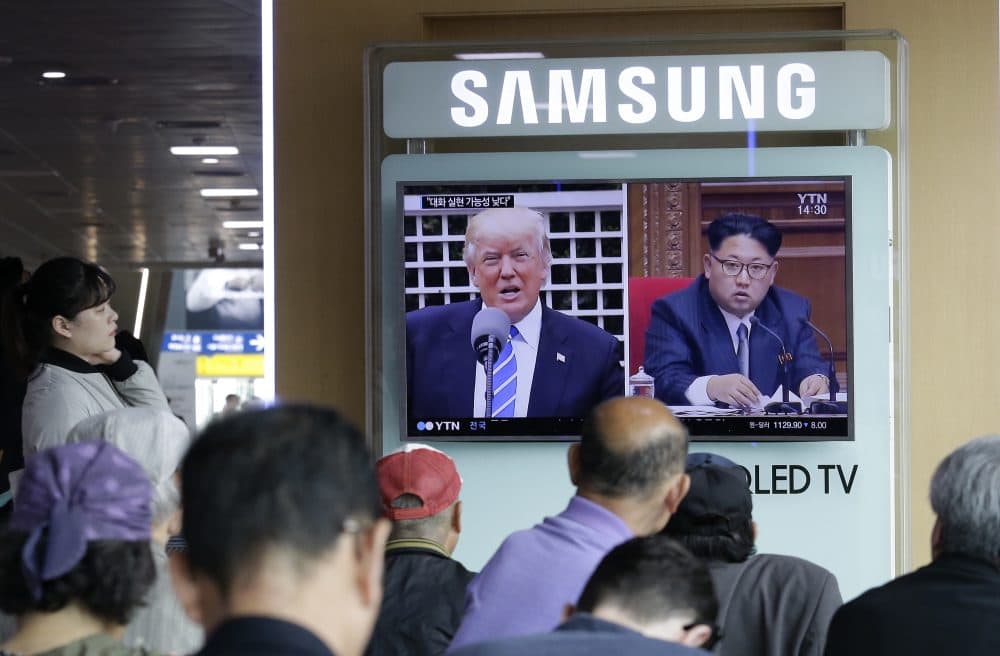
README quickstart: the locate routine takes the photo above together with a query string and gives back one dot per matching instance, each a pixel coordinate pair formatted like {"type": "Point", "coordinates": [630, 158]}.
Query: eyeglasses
{"type": "Point", "coordinates": [733, 268]}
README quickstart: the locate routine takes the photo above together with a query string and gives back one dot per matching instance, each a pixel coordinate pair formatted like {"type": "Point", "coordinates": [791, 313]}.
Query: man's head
{"type": "Point", "coordinates": [508, 256]}
{"type": "Point", "coordinates": [232, 401]}
{"type": "Point", "coordinates": [741, 267]}
{"type": "Point", "coordinates": [965, 496]}
{"type": "Point", "coordinates": [280, 517]}
{"type": "Point", "coordinates": [715, 519]}
{"type": "Point", "coordinates": [419, 487]}
{"type": "Point", "coordinates": [630, 459]}
{"type": "Point", "coordinates": [656, 587]}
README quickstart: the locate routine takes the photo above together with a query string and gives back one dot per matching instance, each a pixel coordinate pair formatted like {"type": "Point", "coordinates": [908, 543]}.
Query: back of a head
{"type": "Point", "coordinates": [629, 446]}
{"type": "Point", "coordinates": [289, 478]}
{"type": "Point", "coordinates": [965, 495]}
{"type": "Point", "coordinates": [63, 286]}
{"type": "Point", "coordinates": [651, 579]}
{"type": "Point", "coordinates": [79, 534]}
{"type": "Point", "coordinates": [715, 519]}
{"type": "Point", "coordinates": [417, 484]}
{"type": "Point", "coordinates": [730, 225]}
{"type": "Point", "coordinates": [154, 438]}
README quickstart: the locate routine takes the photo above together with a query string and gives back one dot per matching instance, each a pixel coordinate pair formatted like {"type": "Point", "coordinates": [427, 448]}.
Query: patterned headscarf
{"type": "Point", "coordinates": [71, 495]}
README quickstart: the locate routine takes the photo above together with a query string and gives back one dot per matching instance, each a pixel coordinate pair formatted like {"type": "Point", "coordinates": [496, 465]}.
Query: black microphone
{"type": "Point", "coordinates": [490, 329]}
{"type": "Point", "coordinates": [784, 357]}
{"type": "Point", "coordinates": [820, 407]}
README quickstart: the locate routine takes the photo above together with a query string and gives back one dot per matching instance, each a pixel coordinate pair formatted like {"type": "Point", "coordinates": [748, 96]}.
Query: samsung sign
{"type": "Point", "coordinates": [618, 95]}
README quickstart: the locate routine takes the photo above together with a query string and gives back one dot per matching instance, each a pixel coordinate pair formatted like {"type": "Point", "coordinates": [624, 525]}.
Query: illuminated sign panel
{"type": "Point", "coordinates": [230, 366]}
{"type": "Point", "coordinates": [618, 95]}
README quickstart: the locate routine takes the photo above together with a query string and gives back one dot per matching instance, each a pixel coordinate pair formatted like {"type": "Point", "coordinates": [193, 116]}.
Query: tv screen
{"type": "Point", "coordinates": [613, 287]}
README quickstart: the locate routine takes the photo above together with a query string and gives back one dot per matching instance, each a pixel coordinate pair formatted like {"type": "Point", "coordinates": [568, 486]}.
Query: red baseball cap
{"type": "Point", "coordinates": [422, 471]}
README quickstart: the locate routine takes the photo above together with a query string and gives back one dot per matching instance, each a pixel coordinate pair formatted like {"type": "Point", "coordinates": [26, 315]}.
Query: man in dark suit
{"type": "Point", "coordinates": [562, 366]}
{"type": "Point", "coordinates": [648, 596]}
{"type": "Point", "coordinates": [708, 343]}
{"type": "Point", "coordinates": [950, 606]}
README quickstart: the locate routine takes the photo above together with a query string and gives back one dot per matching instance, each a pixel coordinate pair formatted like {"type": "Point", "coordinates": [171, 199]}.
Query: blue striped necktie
{"type": "Point", "coordinates": [505, 379]}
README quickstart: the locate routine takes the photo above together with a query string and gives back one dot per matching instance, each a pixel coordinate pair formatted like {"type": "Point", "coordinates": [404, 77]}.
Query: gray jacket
{"type": "Point", "coordinates": [64, 389]}
{"type": "Point", "coordinates": [773, 605]}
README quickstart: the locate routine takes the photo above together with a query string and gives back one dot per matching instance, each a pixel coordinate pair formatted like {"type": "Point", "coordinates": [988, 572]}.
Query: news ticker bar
{"type": "Point", "coordinates": [768, 428]}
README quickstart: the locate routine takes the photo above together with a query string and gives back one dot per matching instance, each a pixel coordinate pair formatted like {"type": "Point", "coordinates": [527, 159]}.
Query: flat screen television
{"type": "Point", "coordinates": [621, 241]}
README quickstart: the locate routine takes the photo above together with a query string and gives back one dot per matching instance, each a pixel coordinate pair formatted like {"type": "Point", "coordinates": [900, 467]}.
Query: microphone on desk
{"type": "Point", "coordinates": [490, 329]}
{"type": "Point", "coordinates": [830, 407]}
{"type": "Point", "coordinates": [784, 357]}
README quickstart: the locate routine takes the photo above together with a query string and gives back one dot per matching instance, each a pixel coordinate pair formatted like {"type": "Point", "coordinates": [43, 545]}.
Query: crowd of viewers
{"type": "Point", "coordinates": [295, 542]}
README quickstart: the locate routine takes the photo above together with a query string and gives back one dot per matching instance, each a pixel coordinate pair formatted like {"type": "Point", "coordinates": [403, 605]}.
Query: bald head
{"type": "Point", "coordinates": [629, 446]}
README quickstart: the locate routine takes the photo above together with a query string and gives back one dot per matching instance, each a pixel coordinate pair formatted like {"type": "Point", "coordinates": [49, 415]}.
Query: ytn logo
{"type": "Point", "coordinates": [437, 425]}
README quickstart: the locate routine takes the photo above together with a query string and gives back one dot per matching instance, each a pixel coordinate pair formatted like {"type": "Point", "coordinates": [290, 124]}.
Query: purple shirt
{"type": "Point", "coordinates": [535, 573]}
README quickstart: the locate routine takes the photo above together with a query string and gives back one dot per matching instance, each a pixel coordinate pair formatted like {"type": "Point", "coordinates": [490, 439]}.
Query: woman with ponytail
{"type": "Point", "coordinates": [59, 329]}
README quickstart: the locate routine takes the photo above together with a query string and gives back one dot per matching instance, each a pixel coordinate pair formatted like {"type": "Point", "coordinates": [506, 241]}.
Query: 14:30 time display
{"type": "Point", "coordinates": [818, 209]}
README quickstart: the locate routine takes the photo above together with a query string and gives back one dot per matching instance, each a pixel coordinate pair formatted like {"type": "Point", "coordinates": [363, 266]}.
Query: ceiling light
{"type": "Point", "coordinates": [53, 75]}
{"type": "Point", "coordinates": [249, 247]}
{"type": "Point", "coordinates": [499, 55]}
{"type": "Point", "coordinates": [204, 151]}
{"type": "Point", "coordinates": [253, 233]}
{"type": "Point", "coordinates": [228, 193]}
{"type": "Point", "coordinates": [242, 225]}
{"type": "Point", "coordinates": [210, 160]}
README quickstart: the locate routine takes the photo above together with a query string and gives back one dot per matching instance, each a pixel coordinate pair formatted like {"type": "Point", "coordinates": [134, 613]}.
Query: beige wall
{"type": "Point", "coordinates": [954, 170]}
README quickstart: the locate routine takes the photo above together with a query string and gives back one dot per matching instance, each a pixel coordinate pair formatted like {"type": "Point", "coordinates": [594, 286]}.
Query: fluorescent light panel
{"type": "Point", "coordinates": [53, 75]}
{"type": "Point", "coordinates": [266, 389]}
{"type": "Point", "coordinates": [141, 305]}
{"type": "Point", "coordinates": [210, 160]}
{"type": "Point", "coordinates": [228, 193]}
{"type": "Point", "coordinates": [249, 247]}
{"type": "Point", "coordinates": [242, 225]}
{"type": "Point", "coordinates": [499, 55]}
{"type": "Point", "coordinates": [204, 151]}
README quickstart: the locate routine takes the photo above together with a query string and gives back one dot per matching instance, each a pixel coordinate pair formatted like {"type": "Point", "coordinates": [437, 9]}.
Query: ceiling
{"type": "Point", "coordinates": [85, 165]}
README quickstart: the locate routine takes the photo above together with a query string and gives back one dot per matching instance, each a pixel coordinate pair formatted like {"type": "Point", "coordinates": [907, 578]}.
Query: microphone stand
{"type": "Point", "coordinates": [488, 366]}
{"type": "Point", "coordinates": [783, 407]}
{"type": "Point", "coordinates": [831, 407]}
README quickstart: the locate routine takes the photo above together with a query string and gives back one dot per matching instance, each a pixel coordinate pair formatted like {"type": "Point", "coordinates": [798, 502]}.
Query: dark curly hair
{"type": "Point", "coordinates": [110, 581]}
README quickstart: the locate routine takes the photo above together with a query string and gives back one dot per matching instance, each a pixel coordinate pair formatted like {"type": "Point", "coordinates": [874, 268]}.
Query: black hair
{"type": "Point", "coordinates": [11, 270]}
{"type": "Point", "coordinates": [110, 581]}
{"type": "Point", "coordinates": [633, 471]}
{"type": "Point", "coordinates": [288, 477]}
{"type": "Point", "coordinates": [63, 286]}
{"type": "Point", "coordinates": [754, 227]}
{"type": "Point", "coordinates": [714, 538]}
{"type": "Point", "coordinates": [652, 578]}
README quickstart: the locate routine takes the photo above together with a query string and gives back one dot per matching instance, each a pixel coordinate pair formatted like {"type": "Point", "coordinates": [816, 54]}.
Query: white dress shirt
{"type": "Point", "coordinates": [525, 353]}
